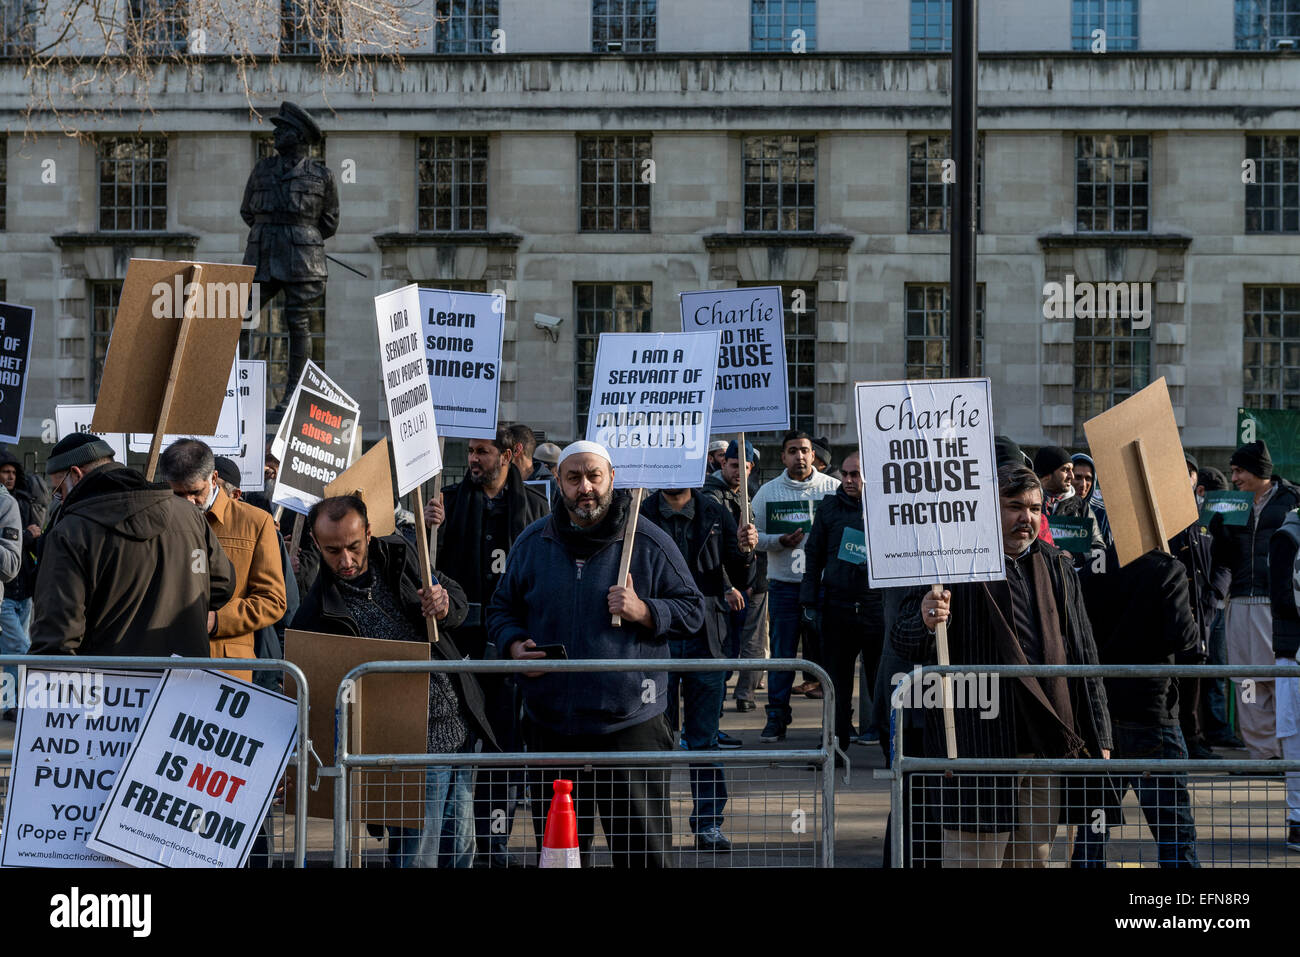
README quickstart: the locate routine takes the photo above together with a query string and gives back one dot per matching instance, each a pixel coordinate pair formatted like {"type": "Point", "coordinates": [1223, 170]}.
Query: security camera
{"type": "Point", "coordinates": [548, 324]}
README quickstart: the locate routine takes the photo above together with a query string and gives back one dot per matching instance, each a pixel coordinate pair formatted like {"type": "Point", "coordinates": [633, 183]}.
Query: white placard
{"type": "Point", "coordinates": [77, 418]}
{"type": "Point", "coordinates": [252, 409]}
{"type": "Point", "coordinates": [929, 482]}
{"type": "Point", "coordinates": [199, 779]}
{"type": "Point", "coordinates": [227, 440]}
{"type": "Point", "coordinates": [751, 392]}
{"type": "Point", "coordinates": [412, 424]}
{"type": "Point", "coordinates": [74, 730]}
{"type": "Point", "coordinates": [463, 332]}
{"type": "Point", "coordinates": [322, 444]}
{"type": "Point", "coordinates": [314, 378]}
{"type": "Point", "coordinates": [651, 396]}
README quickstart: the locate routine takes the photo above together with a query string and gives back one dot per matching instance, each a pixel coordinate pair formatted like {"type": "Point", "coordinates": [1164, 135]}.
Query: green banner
{"type": "Point", "coordinates": [1071, 534]}
{"type": "Point", "coordinates": [853, 547]}
{"type": "Point", "coordinates": [1280, 430]}
{"type": "Point", "coordinates": [1235, 507]}
{"type": "Point", "coordinates": [784, 517]}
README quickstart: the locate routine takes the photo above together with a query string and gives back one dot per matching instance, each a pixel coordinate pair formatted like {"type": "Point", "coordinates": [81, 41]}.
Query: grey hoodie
{"type": "Point", "coordinates": [11, 538]}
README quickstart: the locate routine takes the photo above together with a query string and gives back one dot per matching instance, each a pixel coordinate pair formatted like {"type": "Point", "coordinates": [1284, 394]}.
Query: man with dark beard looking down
{"type": "Point", "coordinates": [560, 588]}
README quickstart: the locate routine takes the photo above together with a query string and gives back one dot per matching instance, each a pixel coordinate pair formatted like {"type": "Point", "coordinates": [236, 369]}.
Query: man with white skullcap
{"type": "Point", "coordinates": [560, 588]}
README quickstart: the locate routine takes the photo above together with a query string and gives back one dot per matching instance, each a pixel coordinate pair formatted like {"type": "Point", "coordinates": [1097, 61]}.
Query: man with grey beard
{"type": "Point", "coordinates": [560, 588]}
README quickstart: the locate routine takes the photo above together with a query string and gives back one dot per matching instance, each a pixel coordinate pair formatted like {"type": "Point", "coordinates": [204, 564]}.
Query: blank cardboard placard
{"type": "Point", "coordinates": [390, 716]}
{"type": "Point", "coordinates": [372, 479]}
{"type": "Point", "coordinates": [1147, 416]}
{"type": "Point", "coordinates": [141, 347]}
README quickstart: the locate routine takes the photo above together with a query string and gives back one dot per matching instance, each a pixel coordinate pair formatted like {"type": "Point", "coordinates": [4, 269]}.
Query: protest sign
{"type": "Point", "coordinates": [252, 413]}
{"type": "Point", "coordinates": [16, 327]}
{"type": "Point", "coordinates": [370, 478]}
{"type": "Point", "coordinates": [175, 322]}
{"type": "Point", "coordinates": [322, 444]}
{"type": "Point", "coordinates": [77, 418]}
{"type": "Point", "coordinates": [74, 730]}
{"type": "Point", "coordinates": [793, 516]}
{"type": "Point", "coordinates": [853, 547]}
{"type": "Point", "coordinates": [314, 378]}
{"type": "Point", "coordinates": [1071, 533]}
{"type": "Point", "coordinates": [651, 398]}
{"type": "Point", "coordinates": [226, 440]}
{"type": "Point", "coordinates": [1280, 431]}
{"type": "Point", "coordinates": [750, 386]}
{"type": "Point", "coordinates": [198, 781]}
{"type": "Point", "coordinates": [463, 333]}
{"type": "Point", "coordinates": [929, 493]}
{"type": "Point", "coordinates": [1233, 505]}
{"type": "Point", "coordinates": [1136, 446]}
{"type": "Point", "coordinates": [403, 366]}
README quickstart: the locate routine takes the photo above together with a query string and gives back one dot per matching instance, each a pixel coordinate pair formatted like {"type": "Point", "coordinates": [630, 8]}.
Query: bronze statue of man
{"type": "Point", "coordinates": [292, 205]}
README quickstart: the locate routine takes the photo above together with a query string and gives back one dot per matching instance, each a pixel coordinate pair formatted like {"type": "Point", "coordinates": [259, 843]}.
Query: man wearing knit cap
{"type": "Point", "coordinates": [127, 567]}
{"type": "Point", "coordinates": [1055, 469]}
{"type": "Point", "coordinates": [560, 587]}
{"type": "Point", "coordinates": [1245, 550]}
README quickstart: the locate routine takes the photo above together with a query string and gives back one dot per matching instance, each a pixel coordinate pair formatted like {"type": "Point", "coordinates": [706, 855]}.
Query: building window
{"type": "Point", "coordinates": [1112, 360]}
{"type": "Point", "coordinates": [1273, 200]}
{"type": "Point", "coordinates": [1118, 18]}
{"type": "Point", "coordinates": [1271, 353]}
{"type": "Point", "coordinates": [103, 306]}
{"type": "Point", "coordinates": [133, 184]}
{"type": "Point", "coordinates": [772, 24]}
{"type": "Point", "coordinates": [1112, 183]}
{"type": "Point", "coordinates": [451, 174]}
{"type": "Point", "coordinates": [603, 307]}
{"type": "Point", "coordinates": [270, 341]}
{"type": "Point", "coordinates": [309, 27]}
{"type": "Point", "coordinates": [465, 26]}
{"type": "Point", "coordinates": [17, 27]}
{"type": "Point", "coordinates": [928, 330]}
{"type": "Point", "coordinates": [928, 197]}
{"type": "Point", "coordinates": [931, 29]}
{"type": "Point", "coordinates": [159, 27]}
{"type": "Point", "coordinates": [1260, 24]}
{"type": "Point", "coordinates": [780, 183]}
{"type": "Point", "coordinates": [265, 148]}
{"type": "Point", "coordinates": [612, 196]}
{"type": "Point", "coordinates": [627, 26]}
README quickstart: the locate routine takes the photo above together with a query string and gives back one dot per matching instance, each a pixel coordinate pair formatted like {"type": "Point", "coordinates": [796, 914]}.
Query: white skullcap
{"type": "Point", "coordinates": [582, 445]}
{"type": "Point", "coordinates": [718, 446]}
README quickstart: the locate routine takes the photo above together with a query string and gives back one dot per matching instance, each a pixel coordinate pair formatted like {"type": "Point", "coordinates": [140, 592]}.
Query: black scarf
{"type": "Point", "coordinates": [582, 543]}
{"type": "Point", "coordinates": [465, 526]}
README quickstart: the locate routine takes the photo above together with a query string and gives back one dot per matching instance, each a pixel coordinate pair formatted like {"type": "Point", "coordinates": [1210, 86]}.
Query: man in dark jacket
{"type": "Point", "coordinates": [478, 521]}
{"type": "Point", "coordinates": [1141, 614]}
{"type": "Point", "coordinates": [1249, 625]}
{"type": "Point", "coordinates": [16, 606]}
{"type": "Point", "coordinates": [1035, 616]}
{"type": "Point", "coordinates": [126, 568]}
{"type": "Point", "coordinates": [747, 618]}
{"type": "Point", "coordinates": [1207, 585]}
{"type": "Point", "coordinates": [561, 587]}
{"type": "Point", "coordinates": [719, 556]}
{"type": "Point", "coordinates": [371, 587]}
{"type": "Point", "coordinates": [523, 443]}
{"type": "Point", "coordinates": [852, 618]}
{"type": "Point", "coordinates": [1284, 587]}
{"type": "Point", "coordinates": [1055, 469]}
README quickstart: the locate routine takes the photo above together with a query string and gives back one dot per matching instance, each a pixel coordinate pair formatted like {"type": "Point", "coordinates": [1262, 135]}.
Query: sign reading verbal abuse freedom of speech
{"type": "Point", "coordinates": [651, 395]}
{"type": "Point", "coordinates": [402, 365]}
{"type": "Point", "coordinates": [929, 495]}
{"type": "Point", "coordinates": [751, 393]}
{"type": "Point", "coordinates": [321, 445]}
{"type": "Point", "coordinates": [198, 780]}
{"type": "Point", "coordinates": [463, 332]}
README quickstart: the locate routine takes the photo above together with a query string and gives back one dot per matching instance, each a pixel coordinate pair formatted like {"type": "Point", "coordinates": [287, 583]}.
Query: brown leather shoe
{"type": "Point", "coordinates": [805, 687]}
{"type": "Point", "coordinates": [815, 691]}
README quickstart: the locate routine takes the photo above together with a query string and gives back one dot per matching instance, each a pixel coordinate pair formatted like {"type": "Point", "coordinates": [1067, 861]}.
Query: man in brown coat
{"type": "Point", "coordinates": [247, 535]}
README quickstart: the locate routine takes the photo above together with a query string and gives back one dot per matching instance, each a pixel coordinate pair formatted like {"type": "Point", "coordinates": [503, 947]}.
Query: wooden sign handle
{"type": "Point", "coordinates": [744, 478]}
{"type": "Point", "coordinates": [173, 375]}
{"type": "Point", "coordinates": [945, 683]}
{"type": "Point", "coordinates": [1149, 486]}
{"type": "Point", "coordinates": [625, 560]}
{"type": "Point", "coordinates": [432, 536]}
{"type": "Point", "coordinates": [422, 542]}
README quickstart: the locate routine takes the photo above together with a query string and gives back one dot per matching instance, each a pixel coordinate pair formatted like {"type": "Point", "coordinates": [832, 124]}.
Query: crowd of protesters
{"type": "Point", "coordinates": [98, 560]}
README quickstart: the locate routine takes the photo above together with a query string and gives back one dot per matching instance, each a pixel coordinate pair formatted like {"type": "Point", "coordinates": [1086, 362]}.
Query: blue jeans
{"type": "Point", "coordinates": [783, 609]}
{"type": "Point", "coordinates": [15, 617]}
{"type": "Point", "coordinates": [1163, 798]}
{"type": "Point", "coordinates": [1216, 721]}
{"type": "Point", "coordinates": [447, 839]}
{"type": "Point", "coordinates": [702, 693]}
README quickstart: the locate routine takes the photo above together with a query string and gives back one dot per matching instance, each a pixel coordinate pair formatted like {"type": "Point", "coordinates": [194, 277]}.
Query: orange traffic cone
{"type": "Point", "coordinates": [560, 840]}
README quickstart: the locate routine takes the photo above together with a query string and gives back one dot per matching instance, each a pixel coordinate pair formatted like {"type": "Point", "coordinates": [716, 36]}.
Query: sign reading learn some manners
{"type": "Point", "coordinates": [463, 333]}
{"type": "Point", "coordinates": [16, 328]}
{"type": "Point", "coordinates": [651, 396]}
{"type": "Point", "coordinates": [74, 730]}
{"type": "Point", "coordinates": [751, 393]}
{"type": "Point", "coordinates": [929, 493]}
{"type": "Point", "coordinates": [403, 367]}
{"type": "Point", "coordinates": [199, 778]}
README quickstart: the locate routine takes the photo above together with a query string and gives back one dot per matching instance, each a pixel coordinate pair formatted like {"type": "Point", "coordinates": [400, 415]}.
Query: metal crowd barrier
{"type": "Point", "coordinates": [1190, 812]}
{"type": "Point", "coordinates": [777, 812]}
{"type": "Point", "coordinates": [285, 828]}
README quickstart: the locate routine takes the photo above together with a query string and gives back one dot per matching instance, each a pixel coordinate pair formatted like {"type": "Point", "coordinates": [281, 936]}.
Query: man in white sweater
{"type": "Point", "coordinates": [783, 514]}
